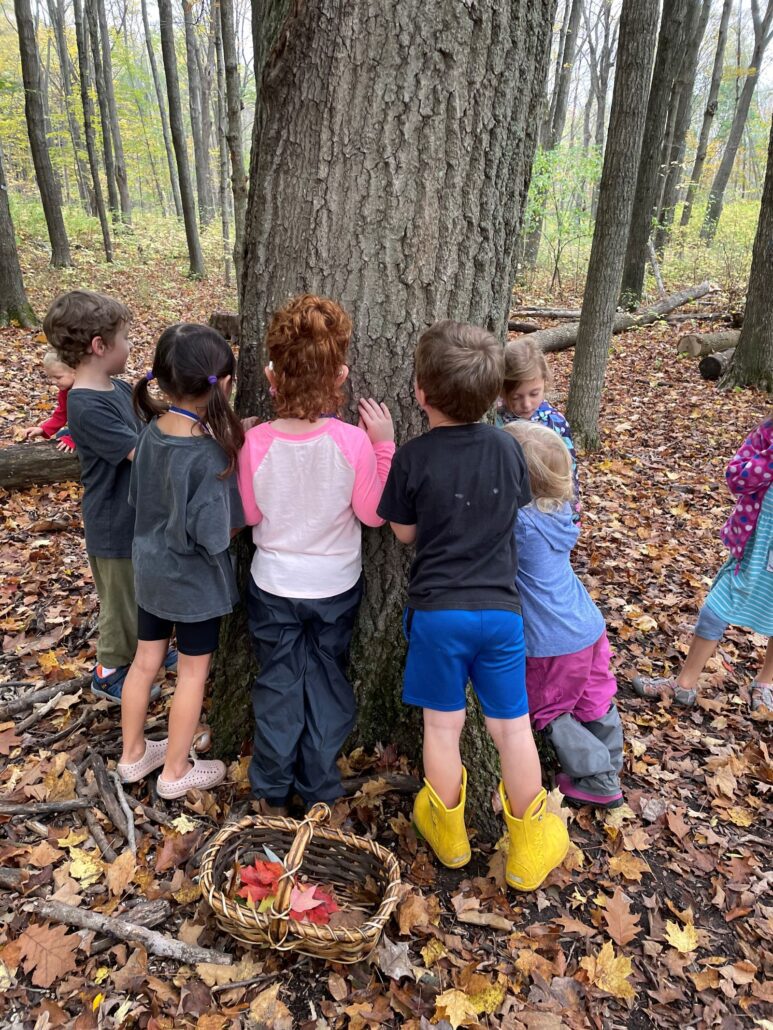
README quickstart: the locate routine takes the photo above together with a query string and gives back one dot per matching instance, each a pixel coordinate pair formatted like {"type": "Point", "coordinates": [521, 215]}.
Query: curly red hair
{"type": "Point", "coordinates": [307, 342]}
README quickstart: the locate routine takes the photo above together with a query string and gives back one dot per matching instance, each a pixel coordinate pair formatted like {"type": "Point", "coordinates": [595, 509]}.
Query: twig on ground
{"type": "Point", "coordinates": [89, 815]}
{"type": "Point", "coordinates": [38, 808]}
{"type": "Point", "coordinates": [144, 913]}
{"type": "Point", "coordinates": [152, 813]}
{"type": "Point", "coordinates": [131, 835]}
{"type": "Point", "coordinates": [155, 943]}
{"type": "Point", "coordinates": [39, 714]}
{"type": "Point", "coordinates": [401, 784]}
{"type": "Point", "coordinates": [84, 720]}
{"type": "Point", "coordinates": [113, 808]}
{"type": "Point", "coordinates": [36, 696]}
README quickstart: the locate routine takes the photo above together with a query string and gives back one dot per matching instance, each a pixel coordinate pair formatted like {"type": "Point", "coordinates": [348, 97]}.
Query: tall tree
{"type": "Point", "coordinates": [15, 309]}
{"type": "Point", "coordinates": [708, 114]}
{"type": "Point", "coordinates": [36, 130]}
{"type": "Point", "coordinates": [166, 27]}
{"type": "Point", "coordinates": [667, 61]}
{"type": "Point", "coordinates": [234, 130]}
{"type": "Point", "coordinates": [82, 43]}
{"type": "Point", "coordinates": [763, 32]}
{"type": "Point", "coordinates": [636, 45]}
{"type": "Point", "coordinates": [112, 111]}
{"type": "Point", "coordinates": [195, 104]}
{"type": "Point", "coordinates": [168, 148]}
{"type": "Point", "coordinates": [113, 201]}
{"type": "Point", "coordinates": [418, 221]}
{"type": "Point", "coordinates": [220, 119]}
{"type": "Point", "coordinates": [752, 363]}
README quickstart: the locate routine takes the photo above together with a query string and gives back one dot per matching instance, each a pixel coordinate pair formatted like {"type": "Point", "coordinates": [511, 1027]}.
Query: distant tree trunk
{"type": "Point", "coordinates": [550, 107]}
{"type": "Point", "coordinates": [178, 137]}
{"type": "Point", "coordinates": [170, 160]}
{"type": "Point", "coordinates": [667, 60]}
{"type": "Point", "coordinates": [35, 116]}
{"type": "Point", "coordinates": [636, 45]}
{"type": "Point", "coordinates": [112, 110]}
{"type": "Point", "coordinates": [82, 42]}
{"type": "Point", "coordinates": [708, 114]}
{"type": "Point", "coordinates": [200, 153]}
{"type": "Point", "coordinates": [684, 89]}
{"type": "Point", "coordinates": [234, 131]}
{"type": "Point", "coordinates": [15, 309]}
{"type": "Point", "coordinates": [601, 56]}
{"type": "Point", "coordinates": [396, 231]}
{"type": "Point", "coordinates": [222, 147]}
{"type": "Point", "coordinates": [56, 14]}
{"type": "Point", "coordinates": [762, 36]}
{"type": "Point", "coordinates": [113, 201]}
{"type": "Point", "coordinates": [752, 363]}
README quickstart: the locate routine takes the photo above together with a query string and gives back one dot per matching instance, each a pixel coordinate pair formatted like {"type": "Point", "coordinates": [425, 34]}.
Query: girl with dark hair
{"type": "Point", "coordinates": [187, 509]}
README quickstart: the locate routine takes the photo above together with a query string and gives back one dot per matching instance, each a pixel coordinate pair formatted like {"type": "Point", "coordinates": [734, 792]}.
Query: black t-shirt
{"type": "Point", "coordinates": [462, 487]}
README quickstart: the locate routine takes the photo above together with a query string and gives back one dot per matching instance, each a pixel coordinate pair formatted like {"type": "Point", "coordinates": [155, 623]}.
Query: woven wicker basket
{"type": "Point", "coordinates": [366, 878]}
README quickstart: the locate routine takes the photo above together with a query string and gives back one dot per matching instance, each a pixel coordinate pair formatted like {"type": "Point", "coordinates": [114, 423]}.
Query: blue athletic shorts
{"type": "Point", "coordinates": [449, 647]}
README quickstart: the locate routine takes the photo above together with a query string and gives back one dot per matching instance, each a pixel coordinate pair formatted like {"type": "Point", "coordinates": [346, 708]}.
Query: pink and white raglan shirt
{"type": "Point", "coordinates": [306, 495]}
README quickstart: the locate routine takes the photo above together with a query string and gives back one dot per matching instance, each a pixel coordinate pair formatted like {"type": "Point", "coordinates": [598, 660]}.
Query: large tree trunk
{"type": "Point", "coordinates": [234, 131]}
{"type": "Point", "coordinates": [400, 192]}
{"type": "Point", "coordinates": [14, 307]}
{"type": "Point", "coordinates": [178, 137]}
{"type": "Point", "coordinates": [667, 60]}
{"type": "Point", "coordinates": [82, 43]}
{"type": "Point", "coordinates": [636, 45]}
{"type": "Point", "coordinates": [762, 36]}
{"type": "Point", "coordinates": [36, 129]}
{"type": "Point", "coordinates": [170, 160]}
{"type": "Point", "coordinates": [112, 112]}
{"type": "Point", "coordinates": [222, 148]}
{"type": "Point", "coordinates": [113, 201]}
{"type": "Point", "coordinates": [708, 114]}
{"type": "Point", "coordinates": [200, 151]}
{"type": "Point", "coordinates": [753, 359]}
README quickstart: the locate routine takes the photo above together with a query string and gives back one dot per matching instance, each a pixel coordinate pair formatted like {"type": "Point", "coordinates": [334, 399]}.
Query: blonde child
{"type": "Point", "coordinates": [62, 376]}
{"type": "Point", "coordinates": [568, 679]}
{"type": "Point", "coordinates": [307, 481]}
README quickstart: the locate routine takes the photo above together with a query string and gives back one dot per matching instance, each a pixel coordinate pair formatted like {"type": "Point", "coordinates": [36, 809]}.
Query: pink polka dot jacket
{"type": "Point", "coordinates": [748, 477]}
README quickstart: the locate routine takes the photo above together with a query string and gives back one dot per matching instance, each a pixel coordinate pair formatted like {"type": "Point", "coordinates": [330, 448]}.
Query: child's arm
{"type": "Point", "coordinates": [372, 464]}
{"type": "Point", "coordinates": [250, 457]}
{"type": "Point", "coordinates": [52, 425]}
{"type": "Point", "coordinates": [752, 467]}
{"type": "Point", "coordinates": [405, 534]}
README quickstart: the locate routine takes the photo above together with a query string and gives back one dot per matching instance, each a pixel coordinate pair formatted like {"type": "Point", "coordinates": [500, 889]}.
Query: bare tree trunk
{"type": "Point", "coordinates": [234, 131]}
{"type": "Point", "coordinates": [752, 363]}
{"type": "Point", "coordinates": [708, 114]}
{"type": "Point", "coordinates": [200, 154]}
{"type": "Point", "coordinates": [396, 231]}
{"type": "Point", "coordinates": [550, 108]}
{"type": "Point", "coordinates": [762, 36]}
{"type": "Point", "coordinates": [35, 117]}
{"type": "Point", "coordinates": [636, 45]}
{"type": "Point", "coordinates": [684, 88]}
{"type": "Point", "coordinates": [667, 60]}
{"type": "Point", "coordinates": [113, 201]}
{"type": "Point", "coordinates": [15, 309]}
{"type": "Point", "coordinates": [178, 137]}
{"type": "Point", "coordinates": [82, 42]}
{"type": "Point", "coordinates": [565, 76]}
{"type": "Point", "coordinates": [112, 110]}
{"type": "Point", "coordinates": [170, 160]}
{"type": "Point", "coordinates": [222, 147]}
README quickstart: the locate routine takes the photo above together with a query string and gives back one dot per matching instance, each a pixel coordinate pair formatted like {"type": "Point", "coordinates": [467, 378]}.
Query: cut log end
{"type": "Point", "coordinates": [699, 344]}
{"type": "Point", "coordinates": [713, 366]}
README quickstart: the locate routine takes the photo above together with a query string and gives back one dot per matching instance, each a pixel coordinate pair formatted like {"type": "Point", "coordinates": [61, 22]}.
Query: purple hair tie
{"type": "Point", "coordinates": [149, 375]}
{"type": "Point", "coordinates": [212, 379]}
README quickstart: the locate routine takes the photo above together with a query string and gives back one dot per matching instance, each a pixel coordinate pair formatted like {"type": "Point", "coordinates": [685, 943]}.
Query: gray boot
{"type": "Point", "coordinates": [609, 730]}
{"type": "Point", "coordinates": [584, 759]}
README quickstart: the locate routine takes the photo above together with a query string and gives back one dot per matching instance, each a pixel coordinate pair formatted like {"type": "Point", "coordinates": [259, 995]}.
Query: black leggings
{"type": "Point", "coordinates": [193, 638]}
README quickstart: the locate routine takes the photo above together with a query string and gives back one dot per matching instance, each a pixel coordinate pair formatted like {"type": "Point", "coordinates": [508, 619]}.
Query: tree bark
{"type": "Point", "coordinates": [753, 360]}
{"type": "Point", "coordinates": [407, 226]}
{"type": "Point", "coordinates": [36, 121]}
{"type": "Point", "coordinates": [169, 150]}
{"type": "Point", "coordinates": [636, 45]}
{"type": "Point", "coordinates": [708, 114]}
{"type": "Point", "coordinates": [82, 42]}
{"type": "Point", "coordinates": [113, 201]}
{"type": "Point", "coordinates": [112, 112]}
{"type": "Point", "coordinates": [712, 366]}
{"type": "Point", "coordinates": [15, 309]}
{"type": "Point", "coordinates": [26, 464]}
{"type": "Point", "coordinates": [200, 153]}
{"type": "Point", "coordinates": [222, 147]}
{"type": "Point", "coordinates": [667, 59]}
{"type": "Point", "coordinates": [195, 255]}
{"type": "Point", "coordinates": [234, 131]}
{"type": "Point", "coordinates": [697, 345]}
{"type": "Point", "coordinates": [565, 75]}
{"type": "Point", "coordinates": [762, 36]}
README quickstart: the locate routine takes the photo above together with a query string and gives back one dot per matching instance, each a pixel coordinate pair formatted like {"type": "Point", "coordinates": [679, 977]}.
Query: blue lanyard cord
{"type": "Point", "coordinates": [189, 414]}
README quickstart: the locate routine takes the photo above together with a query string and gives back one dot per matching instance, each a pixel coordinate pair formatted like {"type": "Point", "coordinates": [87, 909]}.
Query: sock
{"type": "Point", "coordinates": [103, 671]}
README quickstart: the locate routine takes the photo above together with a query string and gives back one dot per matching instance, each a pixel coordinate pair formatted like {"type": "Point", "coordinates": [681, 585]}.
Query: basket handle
{"type": "Point", "coordinates": [318, 814]}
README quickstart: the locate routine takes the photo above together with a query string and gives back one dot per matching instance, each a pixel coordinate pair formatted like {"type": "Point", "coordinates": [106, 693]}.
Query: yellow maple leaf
{"type": "Point", "coordinates": [183, 824]}
{"type": "Point", "coordinates": [740, 816]}
{"type": "Point", "coordinates": [455, 1007]}
{"type": "Point", "coordinates": [87, 867]}
{"type": "Point", "coordinates": [609, 972]}
{"type": "Point", "coordinates": [489, 998]}
{"type": "Point", "coordinates": [432, 951]}
{"type": "Point", "coordinates": [72, 839]}
{"type": "Point", "coordinates": [684, 939]}
{"type": "Point", "coordinates": [628, 865]}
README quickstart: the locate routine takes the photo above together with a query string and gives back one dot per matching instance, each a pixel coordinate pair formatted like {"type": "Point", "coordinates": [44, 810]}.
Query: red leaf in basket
{"type": "Point", "coordinates": [319, 912]}
{"type": "Point", "coordinates": [260, 879]}
{"type": "Point", "coordinates": [301, 900]}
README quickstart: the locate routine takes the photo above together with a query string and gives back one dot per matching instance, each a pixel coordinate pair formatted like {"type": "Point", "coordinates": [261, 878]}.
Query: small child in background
{"type": "Point", "coordinates": [186, 497]}
{"type": "Point", "coordinates": [307, 480]}
{"type": "Point", "coordinates": [56, 426]}
{"type": "Point", "coordinates": [568, 678]}
{"type": "Point", "coordinates": [523, 397]}
{"type": "Point", "coordinates": [742, 591]}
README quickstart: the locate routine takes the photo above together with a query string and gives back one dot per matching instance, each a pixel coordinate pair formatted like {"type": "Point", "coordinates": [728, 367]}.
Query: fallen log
{"type": "Point", "coordinates": [23, 464]}
{"type": "Point", "coordinates": [513, 326]}
{"type": "Point", "coordinates": [713, 366]}
{"type": "Point", "coordinates": [698, 345]}
{"type": "Point", "coordinates": [562, 337]}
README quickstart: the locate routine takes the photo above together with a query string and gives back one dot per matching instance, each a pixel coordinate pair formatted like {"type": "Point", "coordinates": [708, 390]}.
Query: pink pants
{"type": "Point", "coordinates": [581, 683]}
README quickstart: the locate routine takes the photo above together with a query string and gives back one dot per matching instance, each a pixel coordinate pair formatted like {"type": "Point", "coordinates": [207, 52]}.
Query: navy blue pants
{"type": "Point", "coordinates": [302, 699]}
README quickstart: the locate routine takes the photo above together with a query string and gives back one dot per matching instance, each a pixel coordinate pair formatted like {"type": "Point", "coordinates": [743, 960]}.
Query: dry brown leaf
{"type": "Point", "coordinates": [628, 865]}
{"type": "Point", "coordinates": [120, 872]}
{"type": "Point", "coordinates": [49, 952]}
{"type": "Point", "coordinates": [455, 1007]}
{"type": "Point", "coordinates": [609, 972]}
{"type": "Point", "coordinates": [44, 854]}
{"type": "Point", "coordinates": [622, 924]}
{"type": "Point", "coordinates": [417, 910]}
{"type": "Point", "coordinates": [269, 1009]}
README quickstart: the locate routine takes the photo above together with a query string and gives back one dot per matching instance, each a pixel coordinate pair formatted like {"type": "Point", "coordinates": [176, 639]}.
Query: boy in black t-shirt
{"type": "Point", "coordinates": [455, 493]}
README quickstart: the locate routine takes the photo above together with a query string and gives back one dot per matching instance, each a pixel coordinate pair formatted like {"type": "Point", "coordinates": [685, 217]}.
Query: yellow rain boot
{"type": "Point", "coordinates": [538, 842]}
{"type": "Point", "coordinates": [443, 828]}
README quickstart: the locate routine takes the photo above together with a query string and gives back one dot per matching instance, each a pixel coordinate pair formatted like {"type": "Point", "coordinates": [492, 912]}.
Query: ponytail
{"type": "Point", "coordinates": [145, 405]}
{"type": "Point", "coordinates": [224, 427]}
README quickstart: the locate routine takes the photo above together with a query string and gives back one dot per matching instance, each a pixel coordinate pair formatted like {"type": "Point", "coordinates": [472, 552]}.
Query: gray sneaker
{"type": "Point", "coordinates": [761, 696]}
{"type": "Point", "coordinates": [653, 687]}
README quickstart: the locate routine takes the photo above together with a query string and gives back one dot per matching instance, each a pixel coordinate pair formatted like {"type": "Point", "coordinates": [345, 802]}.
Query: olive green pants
{"type": "Point", "coordinates": [114, 579]}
